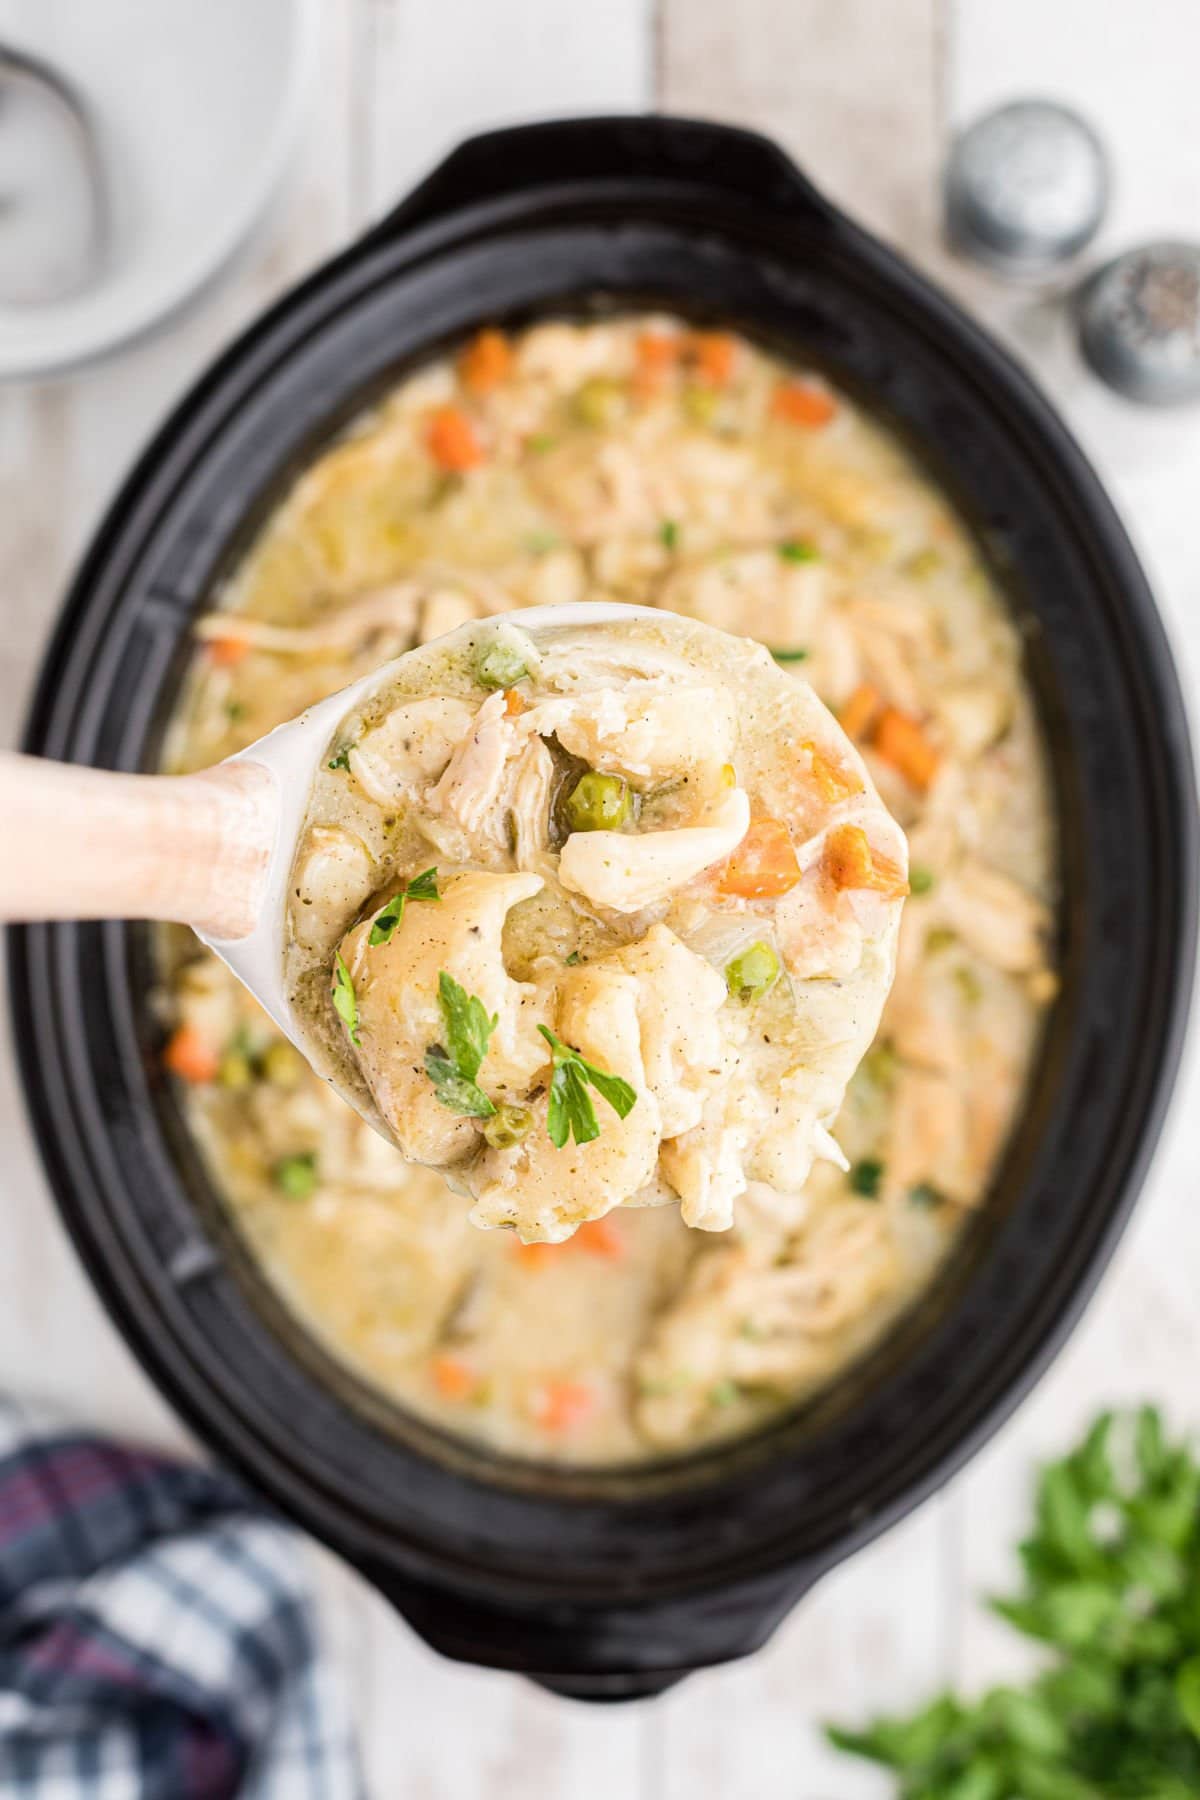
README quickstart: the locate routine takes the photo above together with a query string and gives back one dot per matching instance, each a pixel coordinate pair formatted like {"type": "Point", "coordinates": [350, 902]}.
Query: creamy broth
{"type": "Point", "coordinates": [634, 460]}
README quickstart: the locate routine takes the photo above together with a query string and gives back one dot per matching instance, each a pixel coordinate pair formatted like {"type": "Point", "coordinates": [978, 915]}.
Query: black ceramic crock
{"type": "Point", "coordinates": [614, 1583]}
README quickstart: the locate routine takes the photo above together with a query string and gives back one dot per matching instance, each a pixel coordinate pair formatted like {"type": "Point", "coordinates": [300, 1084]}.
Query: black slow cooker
{"type": "Point", "coordinates": [613, 1583]}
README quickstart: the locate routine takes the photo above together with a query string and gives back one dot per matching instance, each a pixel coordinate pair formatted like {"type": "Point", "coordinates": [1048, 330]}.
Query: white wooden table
{"type": "Point", "coordinates": [864, 92]}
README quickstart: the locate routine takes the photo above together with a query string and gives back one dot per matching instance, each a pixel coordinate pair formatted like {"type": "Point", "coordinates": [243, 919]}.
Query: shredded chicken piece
{"type": "Point", "coordinates": [648, 734]}
{"type": "Point", "coordinates": [996, 917]}
{"type": "Point", "coordinates": [630, 871]}
{"type": "Point", "coordinates": [468, 794]}
{"type": "Point", "coordinates": [393, 609]}
{"type": "Point", "coordinates": [411, 747]}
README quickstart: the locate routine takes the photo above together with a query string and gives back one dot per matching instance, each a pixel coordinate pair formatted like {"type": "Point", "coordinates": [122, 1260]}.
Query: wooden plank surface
{"type": "Point", "coordinates": [857, 92]}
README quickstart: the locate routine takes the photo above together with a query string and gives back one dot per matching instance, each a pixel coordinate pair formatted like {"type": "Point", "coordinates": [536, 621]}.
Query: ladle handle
{"type": "Point", "coordinates": [80, 843]}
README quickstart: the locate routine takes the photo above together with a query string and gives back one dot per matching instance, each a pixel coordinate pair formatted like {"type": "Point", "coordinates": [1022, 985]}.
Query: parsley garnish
{"type": "Point", "coordinates": [787, 656]}
{"type": "Point", "coordinates": [668, 531]}
{"type": "Point", "coordinates": [1112, 1588]}
{"type": "Point", "coordinates": [571, 1112]}
{"type": "Point", "coordinates": [342, 759]}
{"type": "Point", "coordinates": [795, 550]}
{"type": "Point", "coordinates": [452, 1067]}
{"type": "Point", "coordinates": [865, 1177]}
{"type": "Point", "coordinates": [422, 887]}
{"type": "Point", "coordinates": [920, 878]}
{"type": "Point", "coordinates": [345, 1001]}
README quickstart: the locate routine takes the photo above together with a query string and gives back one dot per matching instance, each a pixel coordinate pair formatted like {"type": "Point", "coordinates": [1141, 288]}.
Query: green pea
{"type": "Point", "coordinates": [235, 1071]}
{"type": "Point", "coordinates": [507, 1126]}
{"type": "Point", "coordinates": [700, 404]}
{"type": "Point", "coordinates": [752, 973]}
{"type": "Point", "coordinates": [598, 402]}
{"type": "Point", "coordinates": [282, 1064]}
{"type": "Point", "coordinates": [598, 803]}
{"type": "Point", "coordinates": [499, 665]}
{"type": "Point", "coordinates": [296, 1176]}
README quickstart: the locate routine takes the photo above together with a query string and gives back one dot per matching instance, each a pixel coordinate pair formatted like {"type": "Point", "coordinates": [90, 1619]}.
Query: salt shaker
{"type": "Point", "coordinates": [1026, 188]}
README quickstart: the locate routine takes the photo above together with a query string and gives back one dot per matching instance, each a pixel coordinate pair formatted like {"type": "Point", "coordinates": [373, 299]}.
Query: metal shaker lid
{"type": "Point", "coordinates": [1026, 187]}
{"type": "Point", "coordinates": [1139, 323]}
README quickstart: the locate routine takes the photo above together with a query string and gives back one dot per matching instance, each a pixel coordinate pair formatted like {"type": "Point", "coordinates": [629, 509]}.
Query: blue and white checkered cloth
{"type": "Point", "coordinates": [158, 1638]}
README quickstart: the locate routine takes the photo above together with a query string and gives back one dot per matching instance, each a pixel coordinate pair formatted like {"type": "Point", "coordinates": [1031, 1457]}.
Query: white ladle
{"type": "Point", "coordinates": [213, 850]}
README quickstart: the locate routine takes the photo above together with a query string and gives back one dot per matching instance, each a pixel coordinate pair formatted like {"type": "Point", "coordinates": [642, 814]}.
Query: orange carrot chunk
{"type": "Point", "coordinates": [801, 404]}
{"type": "Point", "coordinates": [452, 439]}
{"type": "Point", "coordinates": [453, 1378]}
{"type": "Point", "coordinates": [764, 864]}
{"type": "Point", "coordinates": [901, 741]}
{"type": "Point", "coordinates": [562, 1405]}
{"type": "Point", "coordinates": [831, 781]}
{"type": "Point", "coordinates": [227, 651]}
{"type": "Point", "coordinates": [514, 703]}
{"type": "Point", "coordinates": [486, 362]}
{"type": "Point", "coordinates": [850, 862]}
{"type": "Point", "coordinates": [858, 714]}
{"type": "Point", "coordinates": [712, 355]}
{"type": "Point", "coordinates": [601, 1237]}
{"type": "Point", "coordinates": [190, 1056]}
{"type": "Point", "coordinates": [535, 1256]}
{"type": "Point", "coordinates": [656, 351]}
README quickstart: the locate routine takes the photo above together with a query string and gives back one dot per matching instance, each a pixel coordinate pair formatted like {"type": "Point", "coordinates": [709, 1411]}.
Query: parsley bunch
{"type": "Point", "coordinates": [1112, 1586]}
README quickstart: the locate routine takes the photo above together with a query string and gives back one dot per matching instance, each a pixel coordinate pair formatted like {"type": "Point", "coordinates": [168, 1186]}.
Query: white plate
{"type": "Point", "coordinates": [197, 105]}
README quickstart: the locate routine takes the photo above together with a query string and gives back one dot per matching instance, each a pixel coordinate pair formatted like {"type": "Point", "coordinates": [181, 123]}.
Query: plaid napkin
{"type": "Point", "coordinates": [157, 1634]}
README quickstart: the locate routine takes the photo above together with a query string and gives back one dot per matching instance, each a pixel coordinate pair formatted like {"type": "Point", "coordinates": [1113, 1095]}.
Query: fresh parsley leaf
{"type": "Point", "coordinates": [920, 878]}
{"type": "Point", "coordinates": [455, 1090]}
{"type": "Point", "coordinates": [342, 759]}
{"type": "Point", "coordinates": [452, 1068]}
{"type": "Point", "coordinates": [468, 1027]}
{"type": "Point", "coordinates": [345, 1001]}
{"type": "Point", "coordinates": [574, 960]}
{"type": "Point", "coordinates": [790, 656]}
{"type": "Point", "coordinates": [865, 1177]}
{"type": "Point", "coordinates": [668, 531]}
{"type": "Point", "coordinates": [795, 550]}
{"type": "Point", "coordinates": [424, 887]}
{"type": "Point", "coordinates": [1112, 1587]}
{"type": "Point", "coordinates": [571, 1112]}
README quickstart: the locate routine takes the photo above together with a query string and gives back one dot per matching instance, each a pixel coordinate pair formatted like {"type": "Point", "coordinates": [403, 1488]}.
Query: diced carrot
{"type": "Point", "coordinates": [764, 864]}
{"type": "Point", "coordinates": [601, 1237]}
{"type": "Point", "coordinates": [901, 741]}
{"type": "Point", "coordinates": [712, 355]}
{"type": "Point", "coordinates": [561, 1405]}
{"type": "Point", "coordinates": [851, 863]}
{"type": "Point", "coordinates": [514, 703]}
{"type": "Point", "coordinates": [486, 362]}
{"type": "Point", "coordinates": [535, 1256]}
{"type": "Point", "coordinates": [189, 1055]}
{"type": "Point", "coordinates": [858, 714]}
{"type": "Point", "coordinates": [227, 651]}
{"type": "Point", "coordinates": [801, 404]}
{"type": "Point", "coordinates": [831, 781]}
{"type": "Point", "coordinates": [453, 1378]}
{"type": "Point", "coordinates": [656, 351]}
{"type": "Point", "coordinates": [453, 441]}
